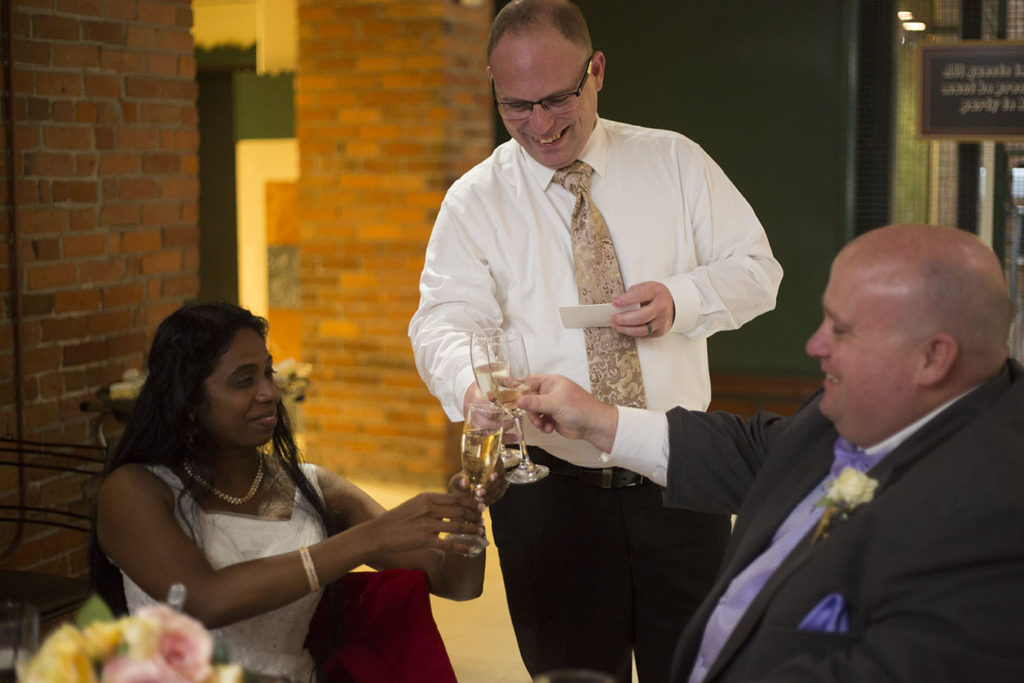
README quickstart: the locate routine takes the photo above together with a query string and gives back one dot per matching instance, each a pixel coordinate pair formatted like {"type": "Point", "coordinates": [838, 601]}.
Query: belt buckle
{"type": "Point", "coordinates": [606, 477]}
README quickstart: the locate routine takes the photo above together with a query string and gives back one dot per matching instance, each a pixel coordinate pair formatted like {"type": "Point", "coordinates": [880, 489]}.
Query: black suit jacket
{"type": "Point", "coordinates": [932, 569]}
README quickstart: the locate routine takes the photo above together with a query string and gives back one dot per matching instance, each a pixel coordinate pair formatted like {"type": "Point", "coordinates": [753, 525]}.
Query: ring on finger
{"type": "Point", "coordinates": [650, 330]}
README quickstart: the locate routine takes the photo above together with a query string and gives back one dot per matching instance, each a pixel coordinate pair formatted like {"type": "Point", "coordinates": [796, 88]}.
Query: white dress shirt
{"type": "Point", "coordinates": [500, 255]}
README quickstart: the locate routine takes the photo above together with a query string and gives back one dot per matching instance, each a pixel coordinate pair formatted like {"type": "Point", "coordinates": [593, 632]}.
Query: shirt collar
{"type": "Point", "coordinates": [595, 153]}
{"type": "Point", "coordinates": [893, 442]}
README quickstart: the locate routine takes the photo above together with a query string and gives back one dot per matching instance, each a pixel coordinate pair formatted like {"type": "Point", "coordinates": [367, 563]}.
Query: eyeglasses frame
{"type": "Point", "coordinates": [542, 102]}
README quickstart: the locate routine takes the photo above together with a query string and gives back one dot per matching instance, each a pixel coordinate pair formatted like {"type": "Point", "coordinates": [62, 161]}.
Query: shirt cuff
{"type": "Point", "coordinates": [641, 443]}
{"type": "Point", "coordinates": [686, 299]}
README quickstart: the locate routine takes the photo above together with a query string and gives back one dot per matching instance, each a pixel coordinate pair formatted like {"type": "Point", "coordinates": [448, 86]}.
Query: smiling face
{"type": "Point", "coordinates": [867, 352]}
{"type": "Point", "coordinates": [239, 411]}
{"type": "Point", "coordinates": [537, 63]}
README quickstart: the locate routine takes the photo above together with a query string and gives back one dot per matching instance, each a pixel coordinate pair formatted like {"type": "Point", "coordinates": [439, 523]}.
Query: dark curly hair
{"type": "Point", "coordinates": [185, 350]}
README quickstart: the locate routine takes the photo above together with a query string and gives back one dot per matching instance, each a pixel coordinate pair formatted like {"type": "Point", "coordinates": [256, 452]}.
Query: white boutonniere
{"type": "Point", "coordinates": [849, 490]}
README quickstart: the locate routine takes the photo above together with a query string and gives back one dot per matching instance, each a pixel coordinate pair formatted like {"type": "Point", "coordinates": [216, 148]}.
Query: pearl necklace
{"type": "Point", "coordinates": [232, 500]}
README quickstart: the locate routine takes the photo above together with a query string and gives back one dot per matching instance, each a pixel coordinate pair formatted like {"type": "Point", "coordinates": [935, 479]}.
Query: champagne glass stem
{"type": "Point", "coordinates": [528, 471]}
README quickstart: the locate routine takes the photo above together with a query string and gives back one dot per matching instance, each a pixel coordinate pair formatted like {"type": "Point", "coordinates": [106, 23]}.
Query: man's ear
{"type": "Point", "coordinates": [938, 355]}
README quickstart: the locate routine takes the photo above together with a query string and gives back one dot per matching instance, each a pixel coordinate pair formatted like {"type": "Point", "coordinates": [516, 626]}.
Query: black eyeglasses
{"type": "Point", "coordinates": [562, 103]}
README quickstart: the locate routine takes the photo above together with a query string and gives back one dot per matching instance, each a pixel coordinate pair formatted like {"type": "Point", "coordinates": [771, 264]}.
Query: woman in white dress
{"type": "Point", "coordinates": [206, 489]}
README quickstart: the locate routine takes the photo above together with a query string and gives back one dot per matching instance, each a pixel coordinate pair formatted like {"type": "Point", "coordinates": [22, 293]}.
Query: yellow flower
{"type": "Point", "coordinates": [63, 658]}
{"type": "Point", "coordinates": [103, 638]}
{"type": "Point", "coordinates": [227, 673]}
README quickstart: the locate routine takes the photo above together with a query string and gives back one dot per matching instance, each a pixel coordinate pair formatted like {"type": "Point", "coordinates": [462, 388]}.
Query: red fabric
{"type": "Point", "coordinates": [377, 627]}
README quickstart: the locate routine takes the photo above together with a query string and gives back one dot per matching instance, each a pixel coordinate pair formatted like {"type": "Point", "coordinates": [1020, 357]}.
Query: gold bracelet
{"type": "Point", "coordinates": [307, 564]}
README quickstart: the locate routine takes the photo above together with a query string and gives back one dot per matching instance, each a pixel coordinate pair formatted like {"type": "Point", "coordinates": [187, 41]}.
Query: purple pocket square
{"type": "Point", "coordinates": [828, 616]}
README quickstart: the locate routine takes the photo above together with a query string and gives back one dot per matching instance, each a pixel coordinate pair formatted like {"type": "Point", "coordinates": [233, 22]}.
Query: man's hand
{"type": "Point", "coordinates": [560, 404]}
{"type": "Point", "coordinates": [655, 316]}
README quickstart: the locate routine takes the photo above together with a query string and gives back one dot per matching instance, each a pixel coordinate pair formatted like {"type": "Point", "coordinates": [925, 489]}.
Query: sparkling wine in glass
{"type": "Point", "coordinates": [481, 444]}
{"type": "Point", "coordinates": [484, 372]}
{"type": "Point", "coordinates": [509, 379]}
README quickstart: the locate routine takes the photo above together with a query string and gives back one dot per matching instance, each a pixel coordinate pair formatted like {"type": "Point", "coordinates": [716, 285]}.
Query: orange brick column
{"type": "Point", "coordinates": [392, 105]}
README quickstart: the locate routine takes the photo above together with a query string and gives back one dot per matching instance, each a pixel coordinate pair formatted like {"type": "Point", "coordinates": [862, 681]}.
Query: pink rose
{"type": "Point", "coordinates": [126, 669]}
{"type": "Point", "coordinates": [184, 645]}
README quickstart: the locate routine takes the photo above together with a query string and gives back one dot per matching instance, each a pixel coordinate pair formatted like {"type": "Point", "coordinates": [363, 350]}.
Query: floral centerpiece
{"type": "Point", "coordinates": [849, 490]}
{"type": "Point", "coordinates": [157, 644]}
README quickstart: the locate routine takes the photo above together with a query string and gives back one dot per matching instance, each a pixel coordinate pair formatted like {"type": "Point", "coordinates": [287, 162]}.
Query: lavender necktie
{"type": "Point", "coordinates": [749, 582]}
{"type": "Point", "coordinates": [614, 364]}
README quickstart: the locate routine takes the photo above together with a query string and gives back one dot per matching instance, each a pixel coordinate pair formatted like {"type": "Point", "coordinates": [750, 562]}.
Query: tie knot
{"type": "Point", "coordinates": [575, 177]}
{"type": "Point", "coordinates": [848, 455]}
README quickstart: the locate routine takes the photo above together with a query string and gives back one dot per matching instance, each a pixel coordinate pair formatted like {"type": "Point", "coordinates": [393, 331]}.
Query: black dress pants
{"type": "Point", "coordinates": [592, 574]}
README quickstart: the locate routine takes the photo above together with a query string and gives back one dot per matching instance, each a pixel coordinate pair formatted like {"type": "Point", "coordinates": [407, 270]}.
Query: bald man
{"type": "Point", "coordinates": [911, 568]}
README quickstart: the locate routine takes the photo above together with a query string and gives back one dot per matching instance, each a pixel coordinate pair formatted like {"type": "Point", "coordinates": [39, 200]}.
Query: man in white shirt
{"type": "Point", "coordinates": [915, 442]}
{"type": "Point", "coordinates": [593, 564]}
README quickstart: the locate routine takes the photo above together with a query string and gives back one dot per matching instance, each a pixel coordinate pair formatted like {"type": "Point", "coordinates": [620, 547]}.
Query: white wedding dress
{"type": "Point", "coordinates": [271, 643]}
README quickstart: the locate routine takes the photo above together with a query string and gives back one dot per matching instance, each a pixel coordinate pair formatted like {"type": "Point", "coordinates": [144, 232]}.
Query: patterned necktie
{"type": "Point", "coordinates": [614, 365]}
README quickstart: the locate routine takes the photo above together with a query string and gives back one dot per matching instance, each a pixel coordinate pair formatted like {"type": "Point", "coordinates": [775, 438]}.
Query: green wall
{"type": "Point", "coordinates": [764, 88]}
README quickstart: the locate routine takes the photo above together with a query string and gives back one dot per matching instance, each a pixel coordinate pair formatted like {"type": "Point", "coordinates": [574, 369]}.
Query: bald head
{"type": "Point", "coordinates": [950, 282]}
{"type": "Point", "coordinates": [520, 16]}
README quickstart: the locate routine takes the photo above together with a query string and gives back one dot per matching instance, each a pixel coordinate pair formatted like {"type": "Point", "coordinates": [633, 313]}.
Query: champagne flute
{"type": "Point", "coordinates": [510, 372]}
{"type": "Point", "coordinates": [481, 440]}
{"type": "Point", "coordinates": [480, 359]}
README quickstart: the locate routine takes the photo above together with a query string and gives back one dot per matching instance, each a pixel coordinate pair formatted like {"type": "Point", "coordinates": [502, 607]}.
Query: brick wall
{"type": "Point", "coordinates": [392, 105]}
{"type": "Point", "coordinates": [106, 187]}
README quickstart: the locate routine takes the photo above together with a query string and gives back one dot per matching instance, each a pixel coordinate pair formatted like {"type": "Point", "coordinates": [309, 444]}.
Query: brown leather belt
{"type": "Point", "coordinates": [603, 477]}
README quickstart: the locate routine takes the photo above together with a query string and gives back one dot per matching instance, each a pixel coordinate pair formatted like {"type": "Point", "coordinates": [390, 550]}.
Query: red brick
{"type": "Point", "coordinates": [49, 27]}
{"type": "Point", "coordinates": [107, 112]}
{"type": "Point", "coordinates": [180, 188]}
{"type": "Point", "coordinates": [117, 214]}
{"type": "Point", "coordinates": [88, 7]}
{"type": "Point", "coordinates": [159, 113]}
{"type": "Point", "coordinates": [162, 213]}
{"type": "Point", "coordinates": [176, 41]}
{"type": "Point", "coordinates": [129, 137]}
{"type": "Point", "coordinates": [115, 296]}
{"type": "Point", "coordinates": [161, 163]}
{"type": "Point", "coordinates": [75, 55]}
{"type": "Point", "coordinates": [162, 64]}
{"type": "Point", "coordinates": [40, 221]}
{"type": "Point", "coordinates": [62, 328]}
{"type": "Point", "coordinates": [63, 111]}
{"type": "Point", "coordinates": [181, 236]}
{"type": "Point", "coordinates": [48, 164]}
{"type": "Point", "coordinates": [162, 262]}
{"type": "Point", "coordinates": [79, 192]}
{"type": "Point", "coordinates": [75, 301]}
{"type": "Point", "coordinates": [129, 112]}
{"type": "Point", "coordinates": [51, 276]}
{"type": "Point", "coordinates": [81, 354]}
{"type": "Point", "coordinates": [117, 163]}
{"type": "Point", "coordinates": [126, 344]}
{"type": "Point", "coordinates": [180, 286]}
{"type": "Point", "coordinates": [106, 323]}
{"type": "Point", "coordinates": [84, 112]}
{"type": "Point", "coordinates": [101, 272]}
{"type": "Point", "coordinates": [79, 246]}
{"type": "Point", "coordinates": [106, 32]}
{"type": "Point", "coordinates": [37, 304]}
{"type": "Point", "coordinates": [40, 359]}
{"type": "Point", "coordinates": [104, 137]}
{"type": "Point", "coordinates": [140, 36]}
{"type": "Point", "coordinates": [142, 240]}
{"type": "Point", "coordinates": [102, 85]}
{"type": "Point", "coordinates": [67, 137]}
{"type": "Point", "coordinates": [137, 188]}
{"type": "Point", "coordinates": [45, 249]}
{"type": "Point", "coordinates": [82, 219]}
{"type": "Point", "coordinates": [119, 60]}
{"type": "Point", "coordinates": [63, 84]}
{"type": "Point", "coordinates": [141, 86]}
{"type": "Point", "coordinates": [85, 164]}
